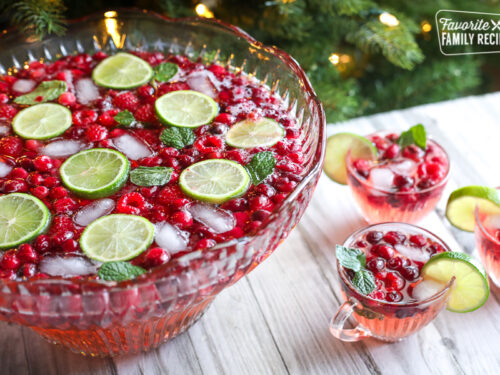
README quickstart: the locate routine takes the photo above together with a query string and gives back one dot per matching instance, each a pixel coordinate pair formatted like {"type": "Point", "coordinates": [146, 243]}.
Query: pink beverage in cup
{"type": "Point", "coordinates": [400, 304]}
{"type": "Point", "coordinates": [487, 232]}
{"type": "Point", "coordinates": [403, 184]}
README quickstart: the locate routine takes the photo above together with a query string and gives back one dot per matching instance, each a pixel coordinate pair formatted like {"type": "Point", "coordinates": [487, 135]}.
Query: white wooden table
{"type": "Point", "coordinates": [275, 321]}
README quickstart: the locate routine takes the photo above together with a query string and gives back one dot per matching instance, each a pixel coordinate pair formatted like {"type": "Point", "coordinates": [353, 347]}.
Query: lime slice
{"type": "Point", "coordinates": [122, 71]}
{"type": "Point", "coordinates": [214, 180]}
{"type": "Point", "coordinates": [95, 173]}
{"type": "Point", "coordinates": [42, 121]}
{"type": "Point", "coordinates": [116, 237]}
{"type": "Point", "coordinates": [470, 289]}
{"type": "Point", "coordinates": [186, 108]}
{"type": "Point", "coordinates": [337, 147]}
{"type": "Point", "coordinates": [248, 134]}
{"type": "Point", "coordinates": [462, 203]}
{"type": "Point", "coordinates": [22, 218]}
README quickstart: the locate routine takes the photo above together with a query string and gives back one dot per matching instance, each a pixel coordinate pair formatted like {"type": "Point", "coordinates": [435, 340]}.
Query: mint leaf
{"type": "Point", "coordinates": [45, 92]}
{"type": "Point", "coordinates": [364, 282]}
{"type": "Point", "coordinates": [165, 71]}
{"type": "Point", "coordinates": [125, 118]}
{"type": "Point", "coordinates": [261, 166]}
{"type": "Point", "coordinates": [177, 137]}
{"type": "Point", "coordinates": [415, 135]}
{"type": "Point", "coordinates": [150, 176]}
{"type": "Point", "coordinates": [119, 271]}
{"type": "Point", "coordinates": [354, 259]}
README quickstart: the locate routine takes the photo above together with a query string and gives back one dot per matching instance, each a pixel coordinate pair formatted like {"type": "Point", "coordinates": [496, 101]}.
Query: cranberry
{"type": "Point", "coordinates": [11, 146]}
{"type": "Point", "coordinates": [393, 281]}
{"type": "Point", "coordinates": [69, 245]}
{"type": "Point", "coordinates": [145, 91]}
{"type": "Point", "coordinates": [10, 261]}
{"type": "Point", "coordinates": [426, 183]}
{"type": "Point", "coordinates": [260, 215]}
{"type": "Point", "coordinates": [236, 204]}
{"type": "Point", "coordinates": [418, 240]}
{"type": "Point", "coordinates": [394, 296]}
{"type": "Point", "coordinates": [394, 237]}
{"type": "Point", "coordinates": [84, 117]}
{"type": "Point", "coordinates": [58, 193]}
{"type": "Point", "coordinates": [384, 251]}
{"type": "Point", "coordinates": [7, 111]}
{"type": "Point", "coordinates": [67, 99]}
{"type": "Point", "coordinates": [126, 101]}
{"type": "Point", "coordinates": [156, 257]}
{"type": "Point", "coordinates": [259, 202]}
{"type": "Point", "coordinates": [375, 265]}
{"type": "Point", "coordinates": [413, 152]}
{"type": "Point", "coordinates": [19, 173]}
{"type": "Point", "coordinates": [401, 181]}
{"type": "Point", "coordinates": [27, 254]}
{"type": "Point", "coordinates": [65, 205]}
{"type": "Point", "coordinates": [59, 238]}
{"type": "Point", "coordinates": [95, 133]}
{"type": "Point", "coordinates": [285, 185]}
{"type": "Point", "coordinates": [28, 270]}
{"type": "Point", "coordinates": [395, 263]}
{"type": "Point", "coordinates": [374, 236]}
{"type": "Point", "coordinates": [204, 243]}
{"type": "Point", "coordinates": [43, 163]}
{"type": "Point", "coordinates": [152, 161]}
{"type": "Point", "coordinates": [362, 167]}
{"type": "Point", "coordinates": [40, 192]}
{"type": "Point", "coordinates": [360, 243]}
{"type": "Point", "coordinates": [166, 152]}
{"type": "Point", "coordinates": [182, 219]}
{"type": "Point", "coordinates": [378, 295]}
{"type": "Point", "coordinates": [51, 182]}
{"type": "Point", "coordinates": [131, 203]}
{"type": "Point", "coordinates": [410, 273]}
{"type": "Point", "coordinates": [15, 186]}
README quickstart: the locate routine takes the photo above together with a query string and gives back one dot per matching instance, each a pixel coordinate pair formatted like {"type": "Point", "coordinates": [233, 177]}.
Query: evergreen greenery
{"type": "Point", "coordinates": [357, 64]}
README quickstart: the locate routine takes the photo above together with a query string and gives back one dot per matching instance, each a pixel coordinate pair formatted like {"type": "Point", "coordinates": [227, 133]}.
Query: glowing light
{"type": "Point", "coordinates": [388, 19]}
{"type": "Point", "coordinates": [426, 26]}
{"type": "Point", "coordinates": [345, 59]}
{"type": "Point", "coordinates": [110, 14]}
{"type": "Point", "coordinates": [203, 11]}
{"type": "Point", "coordinates": [334, 58]}
{"type": "Point", "coordinates": [112, 29]}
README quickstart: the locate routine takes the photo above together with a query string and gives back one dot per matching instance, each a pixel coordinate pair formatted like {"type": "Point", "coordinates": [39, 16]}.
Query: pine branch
{"type": "Point", "coordinates": [397, 43]}
{"type": "Point", "coordinates": [38, 17]}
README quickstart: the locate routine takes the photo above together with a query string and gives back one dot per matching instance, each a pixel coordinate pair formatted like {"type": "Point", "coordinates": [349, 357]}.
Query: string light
{"type": "Point", "coordinates": [425, 26]}
{"type": "Point", "coordinates": [112, 28]}
{"type": "Point", "coordinates": [203, 11]}
{"type": "Point", "coordinates": [110, 14]}
{"type": "Point", "coordinates": [388, 19]}
{"type": "Point", "coordinates": [334, 58]}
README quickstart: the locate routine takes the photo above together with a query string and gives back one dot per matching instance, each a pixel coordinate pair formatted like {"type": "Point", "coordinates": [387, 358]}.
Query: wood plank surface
{"type": "Point", "coordinates": [275, 320]}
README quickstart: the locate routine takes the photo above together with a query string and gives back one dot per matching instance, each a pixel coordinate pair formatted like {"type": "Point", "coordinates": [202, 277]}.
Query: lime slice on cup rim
{"type": "Point", "coordinates": [337, 147]}
{"type": "Point", "coordinates": [22, 218]}
{"type": "Point", "coordinates": [248, 133]}
{"type": "Point", "coordinates": [470, 289]}
{"type": "Point", "coordinates": [214, 180]}
{"type": "Point", "coordinates": [117, 237]}
{"type": "Point", "coordinates": [186, 108]}
{"type": "Point", "coordinates": [462, 203]}
{"type": "Point", "coordinates": [95, 173]}
{"type": "Point", "coordinates": [42, 121]}
{"type": "Point", "coordinates": [122, 71]}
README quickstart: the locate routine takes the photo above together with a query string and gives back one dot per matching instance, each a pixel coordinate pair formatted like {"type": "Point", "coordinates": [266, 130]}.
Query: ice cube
{"type": "Point", "coordinates": [86, 91]}
{"type": "Point", "coordinates": [171, 238]}
{"type": "Point", "coordinates": [4, 129]}
{"type": "Point", "coordinates": [426, 289]}
{"type": "Point", "coordinates": [62, 148]}
{"type": "Point", "coordinates": [492, 222]}
{"type": "Point", "coordinates": [132, 147]}
{"type": "Point", "coordinates": [382, 178]}
{"type": "Point", "coordinates": [413, 253]}
{"type": "Point", "coordinates": [93, 211]}
{"type": "Point", "coordinates": [4, 169]}
{"type": "Point", "coordinates": [204, 82]}
{"type": "Point", "coordinates": [67, 266]}
{"type": "Point", "coordinates": [405, 167]}
{"type": "Point", "coordinates": [218, 220]}
{"type": "Point", "coordinates": [22, 86]}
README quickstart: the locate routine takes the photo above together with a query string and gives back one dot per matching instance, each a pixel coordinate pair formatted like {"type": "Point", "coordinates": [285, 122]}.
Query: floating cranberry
{"type": "Point", "coordinates": [413, 152]}
{"type": "Point", "coordinates": [376, 265]}
{"type": "Point", "coordinates": [132, 203]}
{"type": "Point", "coordinates": [67, 99]}
{"type": "Point", "coordinates": [65, 206]}
{"type": "Point", "coordinates": [84, 117]}
{"type": "Point", "coordinates": [182, 218]}
{"type": "Point", "coordinates": [360, 243]}
{"type": "Point", "coordinates": [394, 237]}
{"type": "Point", "coordinates": [393, 296]}
{"type": "Point", "coordinates": [393, 281]}
{"type": "Point", "coordinates": [126, 101]}
{"type": "Point", "coordinates": [374, 236]}
{"type": "Point", "coordinates": [10, 261]}
{"type": "Point", "coordinates": [259, 202]}
{"type": "Point", "coordinates": [378, 295]}
{"type": "Point", "coordinates": [394, 263]}
{"type": "Point", "coordinates": [418, 240]}
{"type": "Point", "coordinates": [19, 173]}
{"type": "Point", "coordinates": [43, 163]}
{"type": "Point", "coordinates": [69, 245]}
{"type": "Point", "coordinates": [40, 192]}
{"type": "Point", "coordinates": [384, 251]}
{"type": "Point", "coordinates": [156, 257]}
{"type": "Point", "coordinates": [95, 133]}
{"type": "Point", "coordinates": [51, 181]}
{"type": "Point", "coordinates": [27, 254]}
{"type": "Point", "coordinates": [28, 270]}
{"type": "Point", "coordinates": [15, 186]}
{"type": "Point", "coordinates": [59, 192]}
{"type": "Point", "coordinates": [11, 146]}
{"type": "Point", "coordinates": [410, 273]}
{"type": "Point", "coordinates": [205, 243]}
{"type": "Point", "coordinates": [401, 181]}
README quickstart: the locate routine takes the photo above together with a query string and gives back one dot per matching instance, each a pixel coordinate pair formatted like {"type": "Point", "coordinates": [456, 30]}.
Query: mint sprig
{"type": "Point", "coordinates": [261, 166]}
{"type": "Point", "coordinates": [177, 137]}
{"type": "Point", "coordinates": [119, 271]}
{"type": "Point", "coordinates": [45, 92]}
{"type": "Point", "coordinates": [165, 71]}
{"type": "Point", "coordinates": [150, 176]}
{"type": "Point", "coordinates": [355, 260]}
{"type": "Point", "coordinates": [415, 135]}
{"type": "Point", "coordinates": [125, 118]}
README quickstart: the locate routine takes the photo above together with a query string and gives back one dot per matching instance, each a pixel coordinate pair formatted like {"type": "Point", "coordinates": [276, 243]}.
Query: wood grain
{"type": "Point", "coordinates": [275, 321]}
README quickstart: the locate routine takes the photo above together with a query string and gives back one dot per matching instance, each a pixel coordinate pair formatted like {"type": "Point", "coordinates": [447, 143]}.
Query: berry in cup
{"type": "Point", "coordinates": [132, 161]}
{"type": "Point", "coordinates": [393, 177]}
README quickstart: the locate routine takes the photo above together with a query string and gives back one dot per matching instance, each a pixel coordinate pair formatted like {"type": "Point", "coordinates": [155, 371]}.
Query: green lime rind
{"type": "Point", "coordinates": [214, 180]}
{"type": "Point", "coordinates": [117, 237]}
{"type": "Point", "coordinates": [337, 147]}
{"type": "Point", "coordinates": [470, 289]}
{"type": "Point", "coordinates": [463, 202]}
{"type": "Point", "coordinates": [42, 121]}
{"type": "Point", "coordinates": [122, 71]}
{"type": "Point", "coordinates": [22, 218]}
{"type": "Point", "coordinates": [186, 109]}
{"type": "Point", "coordinates": [95, 173]}
{"type": "Point", "coordinates": [249, 134]}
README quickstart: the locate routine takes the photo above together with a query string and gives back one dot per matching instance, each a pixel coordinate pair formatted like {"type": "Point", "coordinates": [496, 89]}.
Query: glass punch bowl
{"type": "Point", "coordinates": [100, 318]}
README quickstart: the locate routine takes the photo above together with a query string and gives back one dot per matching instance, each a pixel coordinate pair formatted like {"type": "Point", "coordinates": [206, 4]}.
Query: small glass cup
{"type": "Point", "coordinates": [380, 205]}
{"type": "Point", "coordinates": [488, 244]}
{"type": "Point", "coordinates": [386, 321]}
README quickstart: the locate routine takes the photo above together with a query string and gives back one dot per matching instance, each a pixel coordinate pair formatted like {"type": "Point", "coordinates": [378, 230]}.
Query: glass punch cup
{"type": "Point", "coordinates": [393, 177]}
{"type": "Point", "coordinates": [397, 277]}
